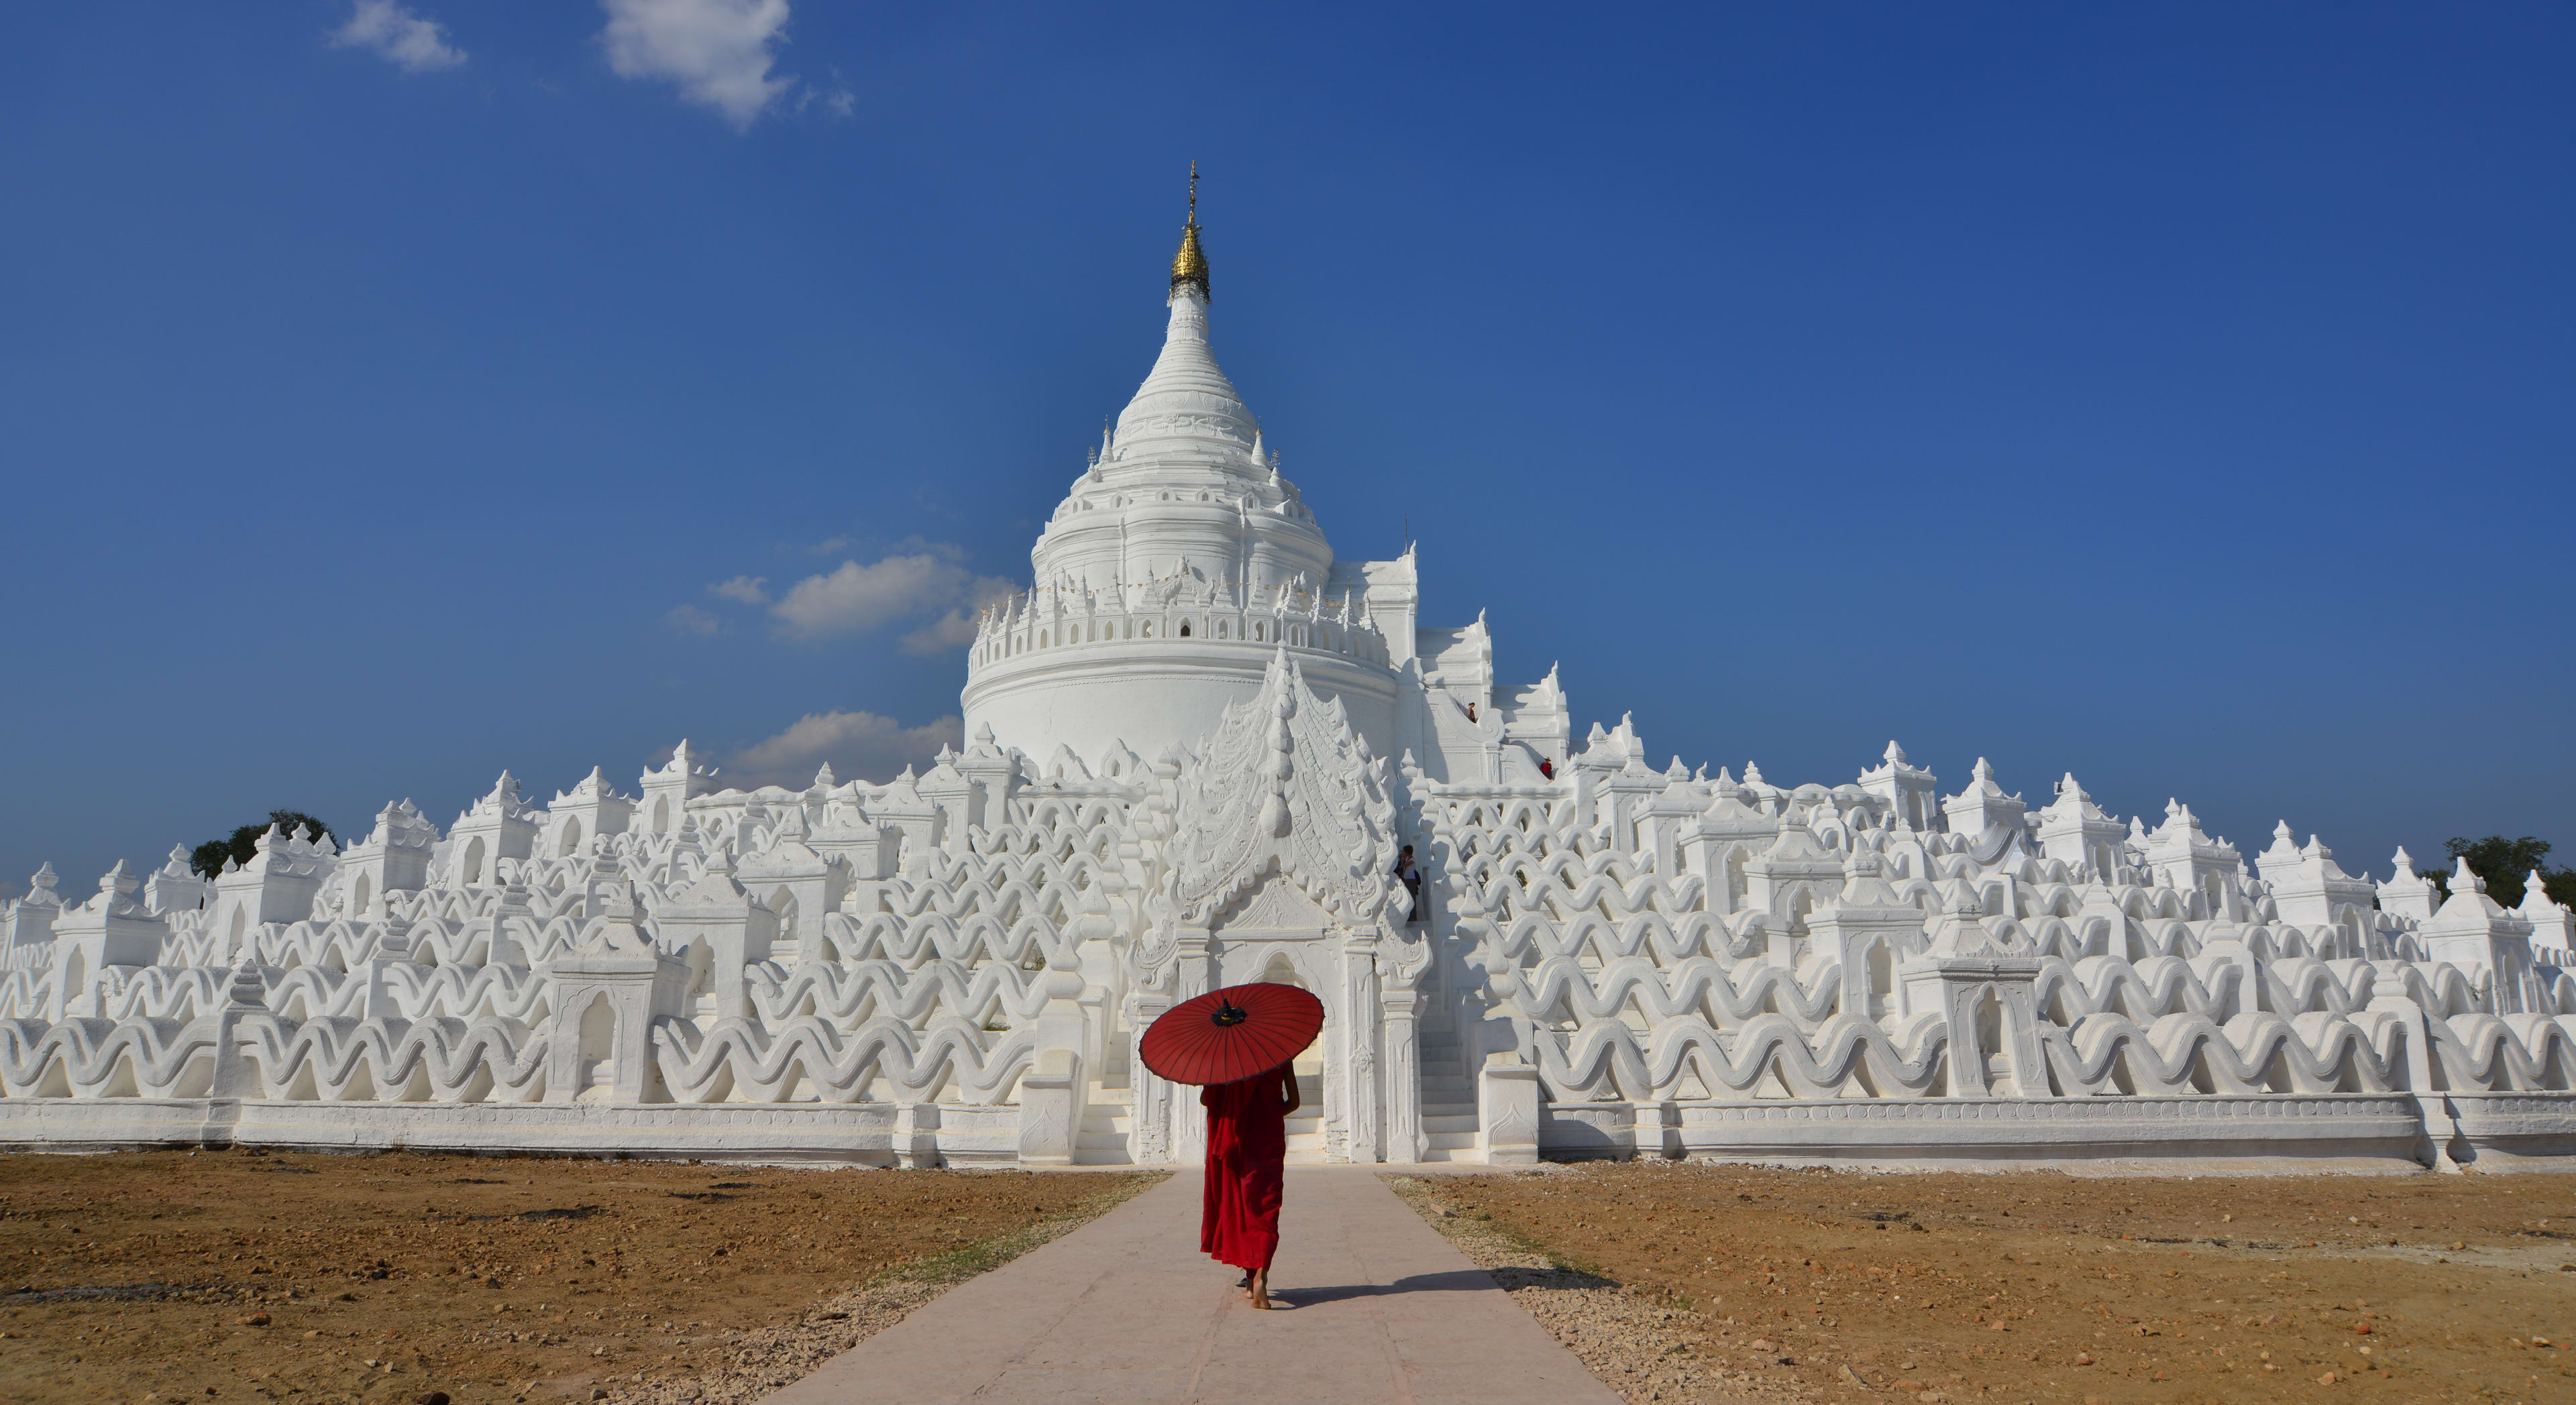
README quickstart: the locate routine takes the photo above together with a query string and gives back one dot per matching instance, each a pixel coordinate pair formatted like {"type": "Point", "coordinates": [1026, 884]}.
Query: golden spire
{"type": "Point", "coordinates": [1189, 266]}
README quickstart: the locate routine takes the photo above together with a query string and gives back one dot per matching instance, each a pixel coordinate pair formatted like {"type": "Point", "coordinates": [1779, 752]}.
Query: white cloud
{"type": "Point", "coordinates": [389, 31]}
{"type": "Point", "coordinates": [717, 51]}
{"type": "Point", "coordinates": [954, 630]}
{"type": "Point", "coordinates": [946, 551]}
{"type": "Point", "coordinates": [689, 619]}
{"type": "Point", "coordinates": [840, 102]}
{"type": "Point", "coordinates": [853, 599]}
{"type": "Point", "coordinates": [858, 744]}
{"type": "Point", "coordinates": [918, 581]}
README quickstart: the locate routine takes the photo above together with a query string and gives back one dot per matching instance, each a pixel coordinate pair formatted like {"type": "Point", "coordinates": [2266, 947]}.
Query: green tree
{"type": "Point", "coordinates": [208, 858]}
{"type": "Point", "coordinates": [2507, 866]}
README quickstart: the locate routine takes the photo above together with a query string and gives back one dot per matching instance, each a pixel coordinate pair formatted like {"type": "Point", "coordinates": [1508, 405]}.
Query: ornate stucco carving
{"type": "Point", "coordinates": [1286, 784]}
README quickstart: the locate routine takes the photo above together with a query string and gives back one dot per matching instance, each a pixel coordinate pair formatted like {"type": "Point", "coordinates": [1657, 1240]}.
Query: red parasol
{"type": "Point", "coordinates": [1232, 1033]}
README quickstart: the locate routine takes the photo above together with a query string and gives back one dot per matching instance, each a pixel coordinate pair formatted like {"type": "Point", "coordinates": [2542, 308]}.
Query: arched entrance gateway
{"type": "Point", "coordinates": [1273, 932]}
{"type": "Point", "coordinates": [1281, 870]}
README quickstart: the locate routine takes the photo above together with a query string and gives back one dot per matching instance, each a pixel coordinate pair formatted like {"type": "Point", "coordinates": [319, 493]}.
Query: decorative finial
{"type": "Point", "coordinates": [1189, 266]}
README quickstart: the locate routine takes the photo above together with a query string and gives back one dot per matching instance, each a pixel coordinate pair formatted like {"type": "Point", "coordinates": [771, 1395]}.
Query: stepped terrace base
{"type": "Point", "coordinates": [2319, 1132]}
{"type": "Point", "coordinates": [2389, 1132]}
{"type": "Point", "coordinates": [855, 1135]}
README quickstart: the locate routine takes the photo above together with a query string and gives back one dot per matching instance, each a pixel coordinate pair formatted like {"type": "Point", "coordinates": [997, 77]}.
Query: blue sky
{"type": "Point", "coordinates": [2181, 397]}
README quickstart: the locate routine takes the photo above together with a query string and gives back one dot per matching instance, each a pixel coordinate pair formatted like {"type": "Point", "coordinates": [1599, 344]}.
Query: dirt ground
{"type": "Point", "coordinates": [239, 1275]}
{"type": "Point", "coordinates": [1686, 1282]}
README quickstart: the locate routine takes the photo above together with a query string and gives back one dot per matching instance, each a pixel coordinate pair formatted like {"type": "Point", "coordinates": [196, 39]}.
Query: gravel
{"type": "Point", "coordinates": [1640, 1347]}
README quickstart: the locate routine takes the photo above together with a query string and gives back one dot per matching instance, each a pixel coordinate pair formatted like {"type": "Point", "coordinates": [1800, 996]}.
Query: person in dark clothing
{"type": "Point", "coordinates": [1247, 1146]}
{"type": "Point", "coordinates": [1411, 878]}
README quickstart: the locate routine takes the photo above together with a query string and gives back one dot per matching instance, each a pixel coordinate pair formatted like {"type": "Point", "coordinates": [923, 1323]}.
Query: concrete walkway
{"type": "Point", "coordinates": [1372, 1304]}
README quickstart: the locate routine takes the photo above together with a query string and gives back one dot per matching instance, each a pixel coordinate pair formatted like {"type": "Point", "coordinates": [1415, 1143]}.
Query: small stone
{"type": "Point", "coordinates": [256, 1319]}
{"type": "Point", "coordinates": [2083, 1358]}
{"type": "Point", "coordinates": [2327, 1379]}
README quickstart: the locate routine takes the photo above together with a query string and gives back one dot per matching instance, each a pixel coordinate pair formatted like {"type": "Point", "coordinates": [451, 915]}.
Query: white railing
{"type": "Point", "coordinates": [1048, 619]}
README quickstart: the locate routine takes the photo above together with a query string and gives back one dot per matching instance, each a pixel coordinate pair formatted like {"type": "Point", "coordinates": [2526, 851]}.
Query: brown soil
{"type": "Point", "coordinates": [240, 1275]}
{"type": "Point", "coordinates": [1719, 1283]}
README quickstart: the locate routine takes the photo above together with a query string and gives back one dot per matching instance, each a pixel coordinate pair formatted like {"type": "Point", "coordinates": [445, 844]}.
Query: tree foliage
{"type": "Point", "coordinates": [208, 858]}
{"type": "Point", "coordinates": [2507, 866]}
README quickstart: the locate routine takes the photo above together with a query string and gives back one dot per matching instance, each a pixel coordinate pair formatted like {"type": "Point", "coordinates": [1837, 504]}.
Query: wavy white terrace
{"type": "Point", "coordinates": [1199, 742]}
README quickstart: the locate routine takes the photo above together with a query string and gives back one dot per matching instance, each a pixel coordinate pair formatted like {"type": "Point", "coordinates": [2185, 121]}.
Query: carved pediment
{"type": "Point", "coordinates": [784, 859]}
{"type": "Point", "coordinates": [714, 891]}
{"type": "Point", "coordinates": [1285, 784]}
{"type": "Point", "coordinates": [1273, 904]}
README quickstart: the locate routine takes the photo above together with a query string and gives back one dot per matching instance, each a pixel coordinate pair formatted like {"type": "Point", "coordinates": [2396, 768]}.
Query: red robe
{"type": "Point", "coordinates": [1247, 1150]}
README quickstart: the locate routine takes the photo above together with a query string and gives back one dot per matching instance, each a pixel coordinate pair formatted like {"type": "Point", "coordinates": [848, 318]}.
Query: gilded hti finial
{"type": "Point", "coordinates": [1189, 266]}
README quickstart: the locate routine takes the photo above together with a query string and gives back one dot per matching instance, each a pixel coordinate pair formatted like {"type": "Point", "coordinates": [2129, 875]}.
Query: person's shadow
{"type": "Point", "coordinates": [1455, 1281]}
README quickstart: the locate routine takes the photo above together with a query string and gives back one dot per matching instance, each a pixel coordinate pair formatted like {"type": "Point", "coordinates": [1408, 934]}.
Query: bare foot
{"type": "Point", "coordinates": [1260, 1293]}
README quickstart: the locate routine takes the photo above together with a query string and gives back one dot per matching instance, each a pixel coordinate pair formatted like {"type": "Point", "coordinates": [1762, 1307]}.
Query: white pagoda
{"type": "Point", "coordinates": [1197, 747]}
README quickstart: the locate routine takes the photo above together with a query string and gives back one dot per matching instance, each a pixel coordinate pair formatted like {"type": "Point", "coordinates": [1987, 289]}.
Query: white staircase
{"type": "Point", "coordinates": [1107, 1118]}
{"type": "Point", "coordinates": [1306, 1124]}
{"type": "Point", "coordinates": [1448, 1101]}
{"type": "Point", "coordinates": [1448, 1114]}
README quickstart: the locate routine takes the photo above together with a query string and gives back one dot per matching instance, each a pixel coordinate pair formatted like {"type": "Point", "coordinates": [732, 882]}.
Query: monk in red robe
{"type": "Point", "coordinates": [1247, 1155]}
